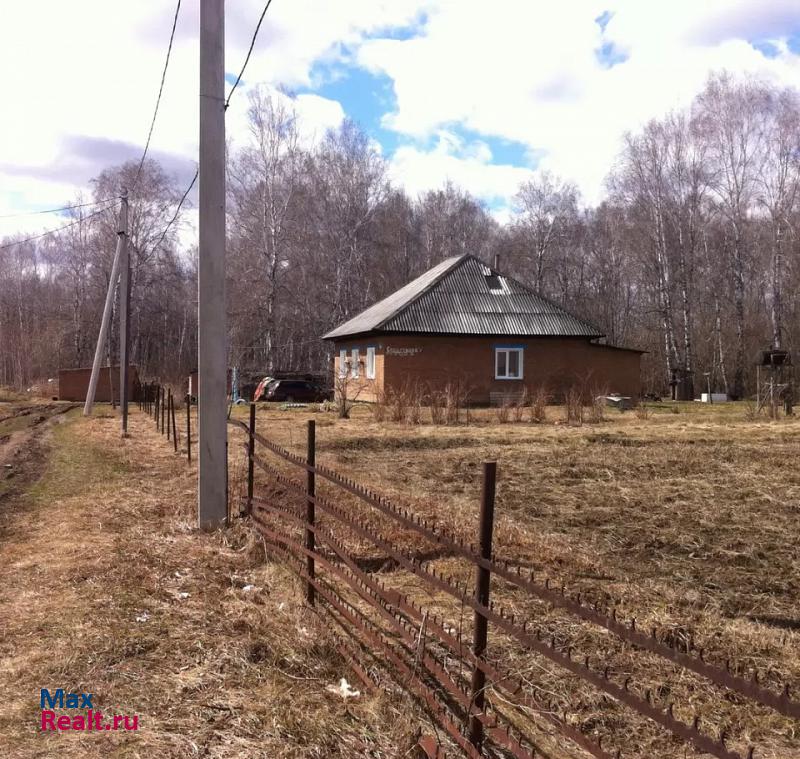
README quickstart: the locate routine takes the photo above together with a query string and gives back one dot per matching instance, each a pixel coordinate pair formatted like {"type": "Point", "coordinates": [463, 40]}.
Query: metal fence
{"type": "Point", "coordinates": [158, 401]}
{"type": "Point", "coordinates": [484, 706]}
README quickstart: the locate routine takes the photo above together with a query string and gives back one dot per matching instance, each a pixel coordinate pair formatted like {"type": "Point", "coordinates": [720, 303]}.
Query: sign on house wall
{"type": "Point", "coordinates": [403, 351]}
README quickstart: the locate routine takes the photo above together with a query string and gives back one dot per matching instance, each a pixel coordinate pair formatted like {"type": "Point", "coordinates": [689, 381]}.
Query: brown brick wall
{"type": "Point", "coordinates": [73, 384]}
{"type": "Point", "coordinates": [557, 364]}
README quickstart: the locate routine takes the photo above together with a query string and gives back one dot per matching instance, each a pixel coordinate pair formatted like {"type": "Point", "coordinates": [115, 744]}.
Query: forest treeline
{"type": "Point", "coordinates": [693, 255]}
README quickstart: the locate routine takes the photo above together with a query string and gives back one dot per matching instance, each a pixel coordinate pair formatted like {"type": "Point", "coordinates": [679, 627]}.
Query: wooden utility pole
{"type": "Point", "coordinates": [212, 332]}
{"type": "Point", "coordinates": [124, 312]}
{"type": "Point", "coordinates": [101, 338]}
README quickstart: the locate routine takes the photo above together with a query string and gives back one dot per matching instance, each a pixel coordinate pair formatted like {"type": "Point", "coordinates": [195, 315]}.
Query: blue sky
{"type": "Point", "coordinates": [451, 90]}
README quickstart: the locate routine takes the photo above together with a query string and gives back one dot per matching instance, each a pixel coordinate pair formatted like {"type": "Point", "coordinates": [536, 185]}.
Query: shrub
{"type": "Point", "coordinates": [518, 407]}
{"type": "Point", "coordinates": [538, 405]}
{"type": "Point", "coordinates": [573, 405]}
{"type": "Point", "coordinates": [446, 402]}
{"type": "Point", "coordinates": [502, 411]}
{"type": "Point", "coordinates": [380, 407]}
{"type": "Point", "coordinates": [597, 409]}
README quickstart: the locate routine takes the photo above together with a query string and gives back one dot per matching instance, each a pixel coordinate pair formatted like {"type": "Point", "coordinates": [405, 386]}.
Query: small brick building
{"type": "Point", "coordinates": [464, 322]}
{"type": "Point", "coordinates": [73, 384]}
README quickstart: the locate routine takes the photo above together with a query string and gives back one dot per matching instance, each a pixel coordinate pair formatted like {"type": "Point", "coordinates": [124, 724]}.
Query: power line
{"type": "Point", "coordinates": [56, 210]}
{"type": "Point", "coordinates": [177, 210]}
{"type": "Point", "coordinates": [227, 102]}
{"type": "Point", "coordinates": [158, 99]}
{"type": "Point", "coordinates": [249, 53]}
{"type": "Point", "coordinates": [58, 229]}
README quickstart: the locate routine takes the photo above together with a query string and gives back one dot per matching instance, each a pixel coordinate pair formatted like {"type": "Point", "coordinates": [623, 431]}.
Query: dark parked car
{"type": "Point", "coordinates": [293, 391]}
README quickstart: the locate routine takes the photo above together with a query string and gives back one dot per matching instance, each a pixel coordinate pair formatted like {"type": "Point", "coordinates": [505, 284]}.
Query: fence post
{"type": "Point", "coordinates": [251, 452]}
{"type": "Point", "coordinates": [155, 405]}
{"type": "Point", "coordinates": [169, 408]}
{"type": "Point", "coordinates": [172, 415]}
{"type": "Point", "coordinates": [482, 582]}
{"type": "Point", "coordinates": [310, 491]}
{"type": "Point", "coordinates": [189, 428]}
{"type": "Point", "coordinates": [163, 407]}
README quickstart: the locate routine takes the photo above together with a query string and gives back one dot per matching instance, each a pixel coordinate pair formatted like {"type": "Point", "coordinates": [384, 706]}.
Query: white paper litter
{"type": "Point", "coordinates": [143, 617]}
{"type": "Point", "coordinates": [343, 689]}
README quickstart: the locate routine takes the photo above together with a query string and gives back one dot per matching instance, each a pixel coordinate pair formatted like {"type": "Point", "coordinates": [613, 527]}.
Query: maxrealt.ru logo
{"type": "Point", "coordinates": [90, 719]}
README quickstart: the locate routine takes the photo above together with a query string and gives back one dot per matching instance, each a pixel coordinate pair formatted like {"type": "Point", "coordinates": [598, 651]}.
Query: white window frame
{"type": "Point", "coordinates": [507, 351]}
{"type": "Point", "coordinates": [354, 372]}
{"type": "Point", "coordinates": [370, 368]}
{"type": "Point", "coordinates": [343, 363]}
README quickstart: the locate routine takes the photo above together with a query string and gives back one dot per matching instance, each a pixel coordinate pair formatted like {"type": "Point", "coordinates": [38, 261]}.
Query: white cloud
{"type": "Point", "coordinates": [79, 75]}
{"type": "Point", "coordinates": [81, 81]}
{"type": "Point", "coordinates": [467, 164]}
{"type": "Point", "coordinates": [513, 70]}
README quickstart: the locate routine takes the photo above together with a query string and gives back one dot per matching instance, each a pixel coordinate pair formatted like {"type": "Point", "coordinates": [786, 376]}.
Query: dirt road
{"type": "Point", "coordinates": [23, 429]}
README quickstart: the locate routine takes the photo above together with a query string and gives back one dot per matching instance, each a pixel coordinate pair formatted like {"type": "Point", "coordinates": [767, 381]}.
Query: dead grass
{"type": "Point", "coordinates": [108, 587]}
{"type": "Point", "coordinates": [688, 515]}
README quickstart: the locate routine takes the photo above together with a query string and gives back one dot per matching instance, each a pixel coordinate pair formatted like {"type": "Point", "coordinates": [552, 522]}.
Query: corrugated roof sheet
{"type": "Point", "coordinates": [464, 296]}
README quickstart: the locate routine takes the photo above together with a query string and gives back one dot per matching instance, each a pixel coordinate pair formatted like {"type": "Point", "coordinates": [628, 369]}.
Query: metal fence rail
{"type": "Point", "coordinates": [485, 709]}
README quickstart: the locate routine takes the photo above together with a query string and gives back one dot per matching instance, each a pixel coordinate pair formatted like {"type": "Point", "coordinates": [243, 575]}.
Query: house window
{"type": "Point", "coordinates": [508, 363]}
{"type": "Point", "coordinates": [354, 364]}
{"type": "Point", "coordinates": [371, 362]}
{"type": "Point", "coordinates": [342, 363]}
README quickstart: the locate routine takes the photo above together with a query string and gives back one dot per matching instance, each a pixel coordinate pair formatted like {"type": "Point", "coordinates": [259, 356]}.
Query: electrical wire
{"type": "Point", "coordinates": [249, 53]}
{"type": "Point", "coordinates": [149, 137]}
{"type": "Point", "coordinates": [57, 210]}
{"type": "Point", "coordinates": [177, 210]}
{"type": "Point", "coordinates": [58, 229]}
{"type": "Point", "coordinates": [158, 99]}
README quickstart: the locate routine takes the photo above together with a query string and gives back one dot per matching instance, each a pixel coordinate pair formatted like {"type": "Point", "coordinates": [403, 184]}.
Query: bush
{"type": "Point", "coordinates": [573, 406]}
{"type": "Point", "coordinates": [538, 405]}
{"type": "Point", "coordinates": [518, 407]}
{"type": "Point", "coordinates": [503, 411]}
{"type": "Point", "coordinates": [446, 403]}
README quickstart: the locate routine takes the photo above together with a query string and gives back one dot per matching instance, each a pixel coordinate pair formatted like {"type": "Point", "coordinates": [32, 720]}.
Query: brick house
{"type": "Point", "coordinates": [465, 322]}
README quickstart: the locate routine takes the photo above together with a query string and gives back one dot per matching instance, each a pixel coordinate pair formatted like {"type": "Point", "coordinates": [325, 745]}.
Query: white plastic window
{"type": "Point", "coordinates": [354, 364]}
{"type": "Point", "coordinates": [508, 363]}
{"type": "Point", "coordinates": [342, 363]}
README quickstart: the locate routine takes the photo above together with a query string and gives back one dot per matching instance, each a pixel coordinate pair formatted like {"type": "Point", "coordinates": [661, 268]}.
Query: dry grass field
{"type": "Point", "coordinates": [688, 518]}
{"type": "Point", "coordinates": [107, 587]}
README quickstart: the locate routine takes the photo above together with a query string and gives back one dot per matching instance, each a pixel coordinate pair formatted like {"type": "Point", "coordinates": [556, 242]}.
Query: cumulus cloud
{"type": "Point", "coordinates": [564, 84]}
{"type": "Point", "coordinates": [467, 164]}
{"type": "Point", "coordinates": [81, 81]}
{"type": "Point", "coordinates": [82, 77]}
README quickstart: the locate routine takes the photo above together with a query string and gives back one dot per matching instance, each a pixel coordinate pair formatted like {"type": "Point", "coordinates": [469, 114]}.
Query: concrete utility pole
{"type": "Point", "coordinates": [124, 312]}
{"type": "Point", "coordinates": [212, 332]}
{"type": "Point", "coordinates": [101, 339]}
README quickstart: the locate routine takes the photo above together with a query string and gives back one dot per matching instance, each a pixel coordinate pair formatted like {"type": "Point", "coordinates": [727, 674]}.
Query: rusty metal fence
{"type": "Point", "coordinates": [481, 703]}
